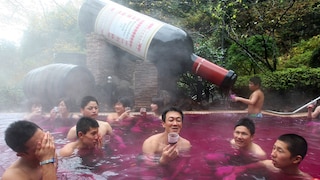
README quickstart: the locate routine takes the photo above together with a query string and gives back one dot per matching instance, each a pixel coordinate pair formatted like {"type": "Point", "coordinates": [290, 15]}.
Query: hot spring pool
{"type": "Point", "coordinates": [207, 132]}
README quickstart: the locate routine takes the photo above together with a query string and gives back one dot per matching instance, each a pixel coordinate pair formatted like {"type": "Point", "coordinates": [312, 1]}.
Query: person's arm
{"type": "Point", "coordinates": [66, 150]}
{"type": "Point", "coordinates": [47, 157]}
{"type": "Point", "coordinates": [231, 172]}
{"type": "Point", "coordinates": [313, 114]}
{"type": "Point", "coordinates": [72, 134]}
{"type": "Point", "coordinates": [253, 100]}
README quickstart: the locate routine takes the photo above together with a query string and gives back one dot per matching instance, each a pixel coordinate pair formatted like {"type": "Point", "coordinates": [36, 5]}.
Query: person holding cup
{"type": "Point", "coordinates": [122, 111]}
{"type": "Point", "coordinates": [165, 147]}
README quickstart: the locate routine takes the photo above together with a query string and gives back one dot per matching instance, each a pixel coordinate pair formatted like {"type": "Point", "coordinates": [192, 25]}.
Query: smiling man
{"type": "Point", "coordinates": [158, 145]}
{"type": "Point", "coordinates": [88, 137]}
{"type": "Point", "coordinates": [287, 153]}
{"type": "Point", "coordinates": [243, 135]}
{"type": "Point", "coordinates": [243, 149]}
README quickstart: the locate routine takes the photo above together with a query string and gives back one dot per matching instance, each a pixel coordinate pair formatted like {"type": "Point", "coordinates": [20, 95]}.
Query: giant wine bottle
{"type": "Point", "coordinates": [168, 47]}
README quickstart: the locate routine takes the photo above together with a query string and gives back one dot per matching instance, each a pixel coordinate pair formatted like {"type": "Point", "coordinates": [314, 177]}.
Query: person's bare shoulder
{"type": "Point", "coordinates": [107, 126]}
{"type": "Point", "coordinates": [72, 134]}
{"type": "Point", "coordinates": [67, 150]}
{"type": "Point", "coordinates": [259, 152]}
{"type": "Point", "coordinates": [185, 143]}
{"type": "Point", "coordinates": [149, 145]}
{"type": "Point", "coordinates": [14, 173]}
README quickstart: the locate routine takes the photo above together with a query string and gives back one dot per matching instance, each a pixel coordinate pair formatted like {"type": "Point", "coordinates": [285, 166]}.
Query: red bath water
{"type": "Point", "coordinates": [208, 133]}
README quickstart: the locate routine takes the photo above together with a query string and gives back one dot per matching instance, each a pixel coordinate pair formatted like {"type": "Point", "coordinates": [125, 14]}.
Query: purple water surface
{"type": "Point", "coordinates": [208, 133]}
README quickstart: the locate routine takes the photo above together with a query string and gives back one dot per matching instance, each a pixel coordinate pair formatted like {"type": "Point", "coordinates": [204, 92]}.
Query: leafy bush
{"type": "Point", "coordinates": [301, 53]}
{"type": "Point", "coordinates": [303, 79]}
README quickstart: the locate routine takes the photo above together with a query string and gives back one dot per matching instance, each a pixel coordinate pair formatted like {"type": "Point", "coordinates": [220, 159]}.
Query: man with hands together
{"type": "Point", "coordinates": [36, 150]}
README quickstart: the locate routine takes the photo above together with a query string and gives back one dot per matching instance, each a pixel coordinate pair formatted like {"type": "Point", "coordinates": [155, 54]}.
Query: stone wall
{"type": "Point", "coordinates": [130, 76]}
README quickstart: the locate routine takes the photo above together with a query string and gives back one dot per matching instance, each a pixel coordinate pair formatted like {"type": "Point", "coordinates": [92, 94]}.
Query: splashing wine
{"type": "Point", "coordinates": [167, 46]}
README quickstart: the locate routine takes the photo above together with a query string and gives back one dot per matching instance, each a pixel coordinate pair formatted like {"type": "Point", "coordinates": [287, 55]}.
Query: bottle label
{"type": "Point", "coordinates": [127, 29]}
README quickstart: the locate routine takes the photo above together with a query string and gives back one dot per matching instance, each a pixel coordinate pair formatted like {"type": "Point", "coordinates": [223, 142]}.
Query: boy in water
{"type": "Point", "coordinates": [88, 137]}
{"type": "Point", "coordinates": [90, 108]}
{"type": "Point", "coordinates": [245, 150]}
{"type": "Point", "coordinates": [287, 153]}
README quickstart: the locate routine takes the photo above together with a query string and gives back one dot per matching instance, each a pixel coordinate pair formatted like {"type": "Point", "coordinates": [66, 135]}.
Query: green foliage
{"type": "Point", "coordinates": [303, 79]}
{"type": "Point", "coordinates": [253, 55]}
{"type": "Point", "coordinates": [57, 31]}
{"type": "Point", "coordinates": [301, 53]}
{"type": "Point", "coordinates": [315, 59]}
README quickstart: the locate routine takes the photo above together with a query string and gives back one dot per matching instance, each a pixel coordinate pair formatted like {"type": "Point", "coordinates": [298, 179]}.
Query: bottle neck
{"type": "Point", "coordinates": [212, 72]}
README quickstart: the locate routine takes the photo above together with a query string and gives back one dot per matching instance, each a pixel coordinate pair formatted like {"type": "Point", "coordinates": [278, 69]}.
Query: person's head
{"type": "Point", "coordinates": [64, 105]}
{"type": "Point", "coordinates": [89, 107]}
{"type": "Point", "coordinates": [243, 132]}
{"type": "Point", "coordinates": [87, 131]}
{"type": "Point", "coordinates": [172, 119]}
{"type": "Point", "coordinates": [156, 105]}
{"type": "Point", "coordinates": [23, 137]}
{"type": "Point", "coordinates": [288, 150]}
{"type": "Point", "coordinates": [254, 83]}
{"type": "Point", "coordinates": [35, 105]}
{"type": "Point", "coordinates": [121, 104]}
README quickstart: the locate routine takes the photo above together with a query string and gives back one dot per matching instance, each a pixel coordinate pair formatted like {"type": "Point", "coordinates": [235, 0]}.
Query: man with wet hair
{"type": "Point", "coordinates": [244, 149]}
{"type": "Point", "coordinates": [36, 150]}
{"type": "Point", "coordinates": [243, 135]}
{"type": "Point", "coordinates": [287, 153]}
{"type": "Point", "coordinates": [157, 147]}
{"type": "Point", "coordinates": [256, 99]}
{"type": "Point", "coordinates": [90, 108]}
{"type": "Point", "coordinates": [88, 137]}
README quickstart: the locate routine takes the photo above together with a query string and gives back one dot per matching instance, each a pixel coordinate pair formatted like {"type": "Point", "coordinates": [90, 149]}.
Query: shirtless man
{"type": "Point", "coordinates": [246, 151]}
{"type": "Point", "coordinates": [157, 144]}
{"type": "Point", "coordinates": [88, 137]}
{"type": "Point", "coordinates": [315, 114]}
{"type": "Point", "coordinates": [36, 150]}
{"type": "Point", "coordinates": [256, 99]}
{"type": "Point", "coordinates": [287, 153]}
{"type": "Point", "coordinates": [90, 108]}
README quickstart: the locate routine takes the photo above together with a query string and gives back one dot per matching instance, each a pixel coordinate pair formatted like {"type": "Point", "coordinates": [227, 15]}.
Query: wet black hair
{"type": "Point", "coordinates": [175, 109]}
{"type": "Point", "coordinates": [125, 101]}
{"type": "Point", "coordinates": [246, 122]}
{"type": "Point", "coordinates": [85, 123]}
{"type": "Point", "coordinates": [85, 100]}
{"type": "Point", "coordinates": [256, 80]}
{"type": "Point", "coordinates": [297, 145]}
{"type": "Point", "coordinates": [18, 133]}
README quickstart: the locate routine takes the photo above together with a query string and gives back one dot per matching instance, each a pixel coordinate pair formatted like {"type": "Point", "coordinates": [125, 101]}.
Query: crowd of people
{"type": "Point", "coordinates": [86, 134]}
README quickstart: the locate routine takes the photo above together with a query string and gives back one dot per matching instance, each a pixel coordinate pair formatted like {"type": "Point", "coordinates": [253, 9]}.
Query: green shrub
{"type": "Point", "coordinates": [303, 79]}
